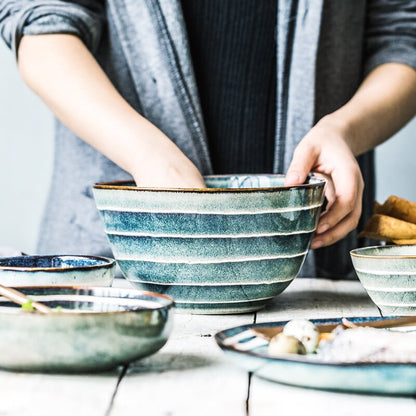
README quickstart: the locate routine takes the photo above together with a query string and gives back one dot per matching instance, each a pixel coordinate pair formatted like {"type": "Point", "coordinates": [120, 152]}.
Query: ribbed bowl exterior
{"type": "Point", "coordinates": [388, 274]}
{"type": "Point", "coordinates": [226, 249]}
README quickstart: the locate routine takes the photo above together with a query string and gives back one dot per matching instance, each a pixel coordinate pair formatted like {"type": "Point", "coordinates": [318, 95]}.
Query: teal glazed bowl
{"type": "Point", "coordinates": [245, 346]}
{"type": "Point", "coordinates": [56, 270]}
{"type": "Point", "coordinates": [89, 329]}
{"type": "Point", "coordinates": [388, 274]}
{"type": "Point", "coordinates": [228, 248]}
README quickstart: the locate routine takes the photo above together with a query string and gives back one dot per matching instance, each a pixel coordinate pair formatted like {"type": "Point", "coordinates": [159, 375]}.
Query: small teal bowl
{"type": "Point", "coordinates": [88, 330]}
{"type": "Point", "coordinates": [228, 248]}
{"type": "Point", "coordinates": [388, 274]}
{"type": "Point", "coordinates": [56, 270]}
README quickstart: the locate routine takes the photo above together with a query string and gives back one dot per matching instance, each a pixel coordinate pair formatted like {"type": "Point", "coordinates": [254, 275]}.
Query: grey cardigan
{"type": "Point", "coordinates": [324, 48]}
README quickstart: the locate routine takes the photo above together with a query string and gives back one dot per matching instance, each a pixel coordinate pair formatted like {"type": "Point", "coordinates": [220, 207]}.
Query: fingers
{"type": "Point", "coordinates": [166, 166]}
{"type": "Point", "coordinates": [344, 213]}
{"type": "Point", "coordinates": [330, 194]}
{"type": "Point", "coordinates": [173, 177]}
{"type": "Point", "coordinates": [343, 192]}
{"type": "Point", "coordinates": [336, 233]}
{"type": "Point", "coordinates": [325, 152]}
{"type": "Point", "coordinates": [302, 163]}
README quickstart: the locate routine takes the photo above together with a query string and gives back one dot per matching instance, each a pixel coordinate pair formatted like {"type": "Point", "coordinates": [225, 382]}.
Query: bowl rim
{"type": "Point", "coordinates": [168, 302]}
{"type": "Point", "coordinates": [106, 262]}
{"type": "Point", "coordinates": [122, 185]}
{"type": "Point", "coordinates": [357, 252]}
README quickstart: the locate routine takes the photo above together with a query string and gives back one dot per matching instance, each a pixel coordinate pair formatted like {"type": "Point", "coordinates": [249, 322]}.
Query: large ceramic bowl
{"type": "Point", "coordinates": [228, 248]}
{"type": "Point", "coordinates": [89, 329]}
{"type": "Point", "coordinates": [56, 270]}
{"type": "Point", "coordinates": [388, 274]}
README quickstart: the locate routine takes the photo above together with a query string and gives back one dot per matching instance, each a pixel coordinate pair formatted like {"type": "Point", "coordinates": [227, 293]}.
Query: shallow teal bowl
{"type": "Point", "coordinates": [228, 248]}
{"type": "Point", "coordinates": [388, 274]}
{"type": "Point", "coordinates": [89, 329]}
{"type": "Point", "coordinates": [247, 348]}
{"type": "Point", "coordinates": [57, 270]}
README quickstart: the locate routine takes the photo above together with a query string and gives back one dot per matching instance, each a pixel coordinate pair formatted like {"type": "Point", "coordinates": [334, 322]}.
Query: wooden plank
{"type": "Point", "coordinates": [268, 398]}
{"type": "Point", "coordinates": [189, 376]}
{"type": "Point", "coordinates": [52, 395]}
{"type": "Point", "coordinates": [319, 298]}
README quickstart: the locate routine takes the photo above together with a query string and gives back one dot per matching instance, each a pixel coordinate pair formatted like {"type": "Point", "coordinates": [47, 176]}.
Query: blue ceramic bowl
{"type": "Point", "coordinates": [89, 329]}
{"type": "Point", "coordinates": [228, 248]}
{"type": "Point", "coordinates": [388, 274]}
{"type": "Point", "coordinates": [56, 270]}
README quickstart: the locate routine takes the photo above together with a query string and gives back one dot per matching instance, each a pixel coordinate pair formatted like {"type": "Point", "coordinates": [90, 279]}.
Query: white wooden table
{"type": "Point", "coordinates": [191, 375]}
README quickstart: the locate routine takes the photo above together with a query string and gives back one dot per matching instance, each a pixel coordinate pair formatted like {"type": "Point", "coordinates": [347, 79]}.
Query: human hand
{"type": "Point", "coordinates": [69, 79]}
{"type": "Point", "coordinates": [164, 165]}
{"type": "Point", "coordinates": [325, 152]}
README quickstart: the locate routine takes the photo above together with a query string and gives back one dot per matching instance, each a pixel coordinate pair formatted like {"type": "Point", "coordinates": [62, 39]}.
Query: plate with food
{"type": "Point", "coordinates": [363, 355]}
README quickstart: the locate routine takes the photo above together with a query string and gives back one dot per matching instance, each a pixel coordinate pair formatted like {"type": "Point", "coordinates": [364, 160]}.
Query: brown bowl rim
{"type": "Point", "coordinates": [170, 302]}
{"type": "Point", "coordinates": [354, 253]}
{"type": "Point", "coordinates": [118, 185]}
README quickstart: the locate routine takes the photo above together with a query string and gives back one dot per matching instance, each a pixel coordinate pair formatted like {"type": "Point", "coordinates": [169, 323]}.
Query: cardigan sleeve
{"type": "Point", "coordinates": [390, 34]}
{"type": "Point", "coordinates": [83, 18]}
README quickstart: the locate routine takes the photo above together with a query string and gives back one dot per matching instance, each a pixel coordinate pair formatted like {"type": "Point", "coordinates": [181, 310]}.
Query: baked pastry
{"type": "Point", "coordinates": [398, 208]}
{"type": "Point", "coordinates": [392, 222]}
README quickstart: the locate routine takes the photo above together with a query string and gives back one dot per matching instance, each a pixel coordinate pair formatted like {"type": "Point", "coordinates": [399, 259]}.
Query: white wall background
{"type": "Point", "coordinates": [26, 155]}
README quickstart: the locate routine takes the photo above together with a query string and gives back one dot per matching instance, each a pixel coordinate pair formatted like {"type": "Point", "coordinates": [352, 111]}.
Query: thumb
{"type": "Point", "coordinates": [301, 165]}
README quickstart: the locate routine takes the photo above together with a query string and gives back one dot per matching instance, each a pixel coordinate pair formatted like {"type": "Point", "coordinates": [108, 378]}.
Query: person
{"type": "Point", "coordinates": [170, 90]}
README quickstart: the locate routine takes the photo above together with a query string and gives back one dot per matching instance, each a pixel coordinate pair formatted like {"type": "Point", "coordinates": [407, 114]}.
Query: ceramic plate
{"type": "Point", "coordinates": [248, 349]}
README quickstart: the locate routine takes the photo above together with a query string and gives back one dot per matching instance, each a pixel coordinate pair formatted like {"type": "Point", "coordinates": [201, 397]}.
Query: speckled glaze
{"type": "Point", "coordinates": [249, 351]}
{"type": "Point", "coordinates": [225, 249]}
{"type": "Point", "coordinates": [388, 273]}
{"type": "Point", "coordinates": [56, 270]}
{"type": "Point", "coordinates": [103, 328]}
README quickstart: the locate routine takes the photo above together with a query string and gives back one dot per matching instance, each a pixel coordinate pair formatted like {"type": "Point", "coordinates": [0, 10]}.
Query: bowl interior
{"type": "Point", "coordinates": [53, 262]}
{"type": "Point", "coordinates": [252, 181]}
{"type": "Point", "coordinates": [229, 182]}
{"type": "Point", "coordinates": [89, 300]}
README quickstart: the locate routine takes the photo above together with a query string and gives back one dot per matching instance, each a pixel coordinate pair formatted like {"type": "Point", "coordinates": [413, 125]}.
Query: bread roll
{"type": "Point", "coordinates": [404, 241]}
{"type": "Point", "coordinates": [386, 228]}
{"type": "Point", "coordinates": [398, 208]}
